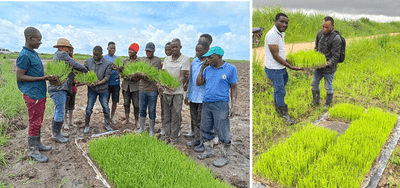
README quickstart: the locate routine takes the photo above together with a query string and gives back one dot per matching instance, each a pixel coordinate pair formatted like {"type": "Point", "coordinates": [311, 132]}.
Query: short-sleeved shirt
{"type": "Point", "coordinates": [218, 82]}
{"type": "Point", "coordinates": [146, 85]}
{"type": "Point", "coordinates": [174, 68]}
{"type": "Point", "coordinates": [274, 37]}
{"type": "Point", "coordinates": [132, 85]}
{"type": "Point", "coordinates": [195, 93]}
{"type": "Point", "coordinates": [114, 79]}
{"type": "Point", "coordinates": [102, 70]}
{"type": "Point", "coordinates": [29, 60]}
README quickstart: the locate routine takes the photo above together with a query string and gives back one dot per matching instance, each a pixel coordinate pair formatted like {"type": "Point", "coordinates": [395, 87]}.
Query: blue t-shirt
{"type": "Point", "coordinates": [218, 82]}
{"type": "Point", "coordinates": [29, 60]}
{"type": "Point", "coordinates": [114, 80]}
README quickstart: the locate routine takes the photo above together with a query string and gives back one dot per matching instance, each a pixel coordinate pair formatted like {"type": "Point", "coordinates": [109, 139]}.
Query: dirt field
{"type": "Point", "coordinates": [68, 167]}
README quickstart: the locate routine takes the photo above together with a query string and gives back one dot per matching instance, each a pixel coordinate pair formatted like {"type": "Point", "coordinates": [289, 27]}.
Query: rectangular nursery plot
{"type": "Point", "coordinates": [138, 160]}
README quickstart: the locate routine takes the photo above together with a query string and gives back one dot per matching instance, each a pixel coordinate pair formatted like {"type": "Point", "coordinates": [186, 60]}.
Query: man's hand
{"type": "Point", "coordinates": [49, 77]}
{"type": "Point", "coordinates": [322, 66]}
{"type": "Point", "coordinates": [232, 111]}
{"type": "Point", "coordinates": [186, 101]}
{"type": "Point", "coordinates": [296, 68]}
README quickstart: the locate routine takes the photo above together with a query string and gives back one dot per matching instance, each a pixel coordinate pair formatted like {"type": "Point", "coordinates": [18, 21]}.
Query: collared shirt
{"type": "Point", "coordinates": [331, 52]}
{"type": "Point", "coordinates": [174, 67]}
{"type": "Point", "coordinates": [29, 60]}
{"type": "Point", "coordinates": [114, 80]}
{"type": "Point", "coordinates": [274, 37]}
{"type": "Point", "coordinates": [146, 85]}
{"type": "Point", "coordinates": [102, 70]}
{"type": "Point", "coordinates": [195, 93]}
{"type": "Point", "coordinates": [219, 81]}
{"type": "Point", "coordinates": [132, 85]}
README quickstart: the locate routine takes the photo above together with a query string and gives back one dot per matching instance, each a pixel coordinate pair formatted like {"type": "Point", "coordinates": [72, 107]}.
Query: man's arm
{"type": "Point", "coordinates": [182, 77]}
{"type": "Point", "coordinates": [75, 64]}
{"type": "Point", "coordinates": [233, 101]}
{"type": "Point", "coordinates": [22, 77]}
{"type": "Point", "coordinates": [335, 50]}
{"type": "Point", "coordinates": [274, 49]}
{"type": "Point", "coordinates": [200, 79]}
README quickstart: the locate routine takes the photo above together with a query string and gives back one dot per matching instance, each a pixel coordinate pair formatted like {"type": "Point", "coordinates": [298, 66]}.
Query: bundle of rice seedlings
{"type": "Point", "coordinates": [89, 77]}
{"type": "Point", "coordinates": [118, 62]}
{"type": "Point", "coordinates": [147, 69]}
{"type": "Point", "coordinates": [306, 59]}
{"type": "Point", "coordinates": [167, 80]}
{"type": "Point", "coordinates": [58, 68]}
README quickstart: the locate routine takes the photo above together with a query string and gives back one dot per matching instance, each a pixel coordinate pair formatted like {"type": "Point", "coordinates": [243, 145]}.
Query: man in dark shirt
{"type": "Point", "coordinates": [332, 54]}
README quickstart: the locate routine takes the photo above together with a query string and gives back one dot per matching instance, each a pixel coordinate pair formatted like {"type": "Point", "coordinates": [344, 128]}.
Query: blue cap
{"type": "Point", "coordinates": [215, 50]}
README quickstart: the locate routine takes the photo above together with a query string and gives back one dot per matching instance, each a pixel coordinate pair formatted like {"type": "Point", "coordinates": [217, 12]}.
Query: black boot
{"type": "Point", "coordinates": [316, 96]}
{"type": "Point", "coordinates": [107, 122]}
{"type": "Point", "coordinates": [57, 136]}
{"type": "Point", "coordinates": [200, 147]}
{"type": "Point", "coordinates": [142, 123]}
{"type": "Point", "coordinates": [152, 124]}
{"type": "Point", "coordinates": [41, 146]}
{"type": "Point", "coordinates": [63, 134]}
{"type": "Point", "coordinates": [87, 126]}
{"type": "Point", "coordinates": [283, 110]}
{"type": "Point", "coordinates": [208, 150]}
{"type": "Point", "coordinates": [33, 143]}
{"type": "Point", "coordinates": [194, 142]}
{"type": "Point", "coordinates": [329, 98]}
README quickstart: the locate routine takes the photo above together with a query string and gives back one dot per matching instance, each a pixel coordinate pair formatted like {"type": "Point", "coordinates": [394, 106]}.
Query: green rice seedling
{"type": "Point", "coordinates": [306, 59]}
{"type": "Point", "coordinates": [166, 79]}
{"type": "Point", "coordinates": [58, 68]}
{"type": "Point", "coordinates": [89, 77]}
{"type": "Point", "coordinates": [140, 67]}
{"type": "Point", "coordinates": [139, 160]}
{"type": "Point", "coordinates": [118, 62]}
{"type": "Point", "coordinates": [346, 111]}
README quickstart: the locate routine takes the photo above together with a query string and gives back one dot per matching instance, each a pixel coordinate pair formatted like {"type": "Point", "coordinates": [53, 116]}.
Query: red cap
{"type": "Point", "coordinates": [134, 47]}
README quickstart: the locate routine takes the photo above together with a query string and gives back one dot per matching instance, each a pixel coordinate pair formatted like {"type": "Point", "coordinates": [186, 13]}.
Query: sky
{"type": "Point", "coordinates": [88, 23]}
{"type": "Point", "coordinates": [380, 11]}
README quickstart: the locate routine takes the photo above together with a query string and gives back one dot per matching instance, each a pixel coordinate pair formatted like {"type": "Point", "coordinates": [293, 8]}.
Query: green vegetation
{"type": "Point", "coordinates": [346, 112]}
{"type": "Point", "coordinates": [138, 160]}
{"type": "Point", "coordinates": [304, 28]}
{"type": "Point", "coordinates": [118, 62]}
{"type": "Point", "coordinates": [89, 77]}
{"type": "Point", "coordinates": [58, 68]}
{"type": "Point", "coordinates": [306, 59]}
{"type": "Point", "coordinates": [168, 80]}
{"type": "Point", "coordinates": [140, 67]}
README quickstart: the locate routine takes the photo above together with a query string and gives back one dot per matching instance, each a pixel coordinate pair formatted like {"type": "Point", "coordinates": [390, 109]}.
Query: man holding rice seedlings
{"type": "Point", "coordinates": [148, 91]}
{"type": "Point", "coordinates": [130, 88]}
{"type": "Point", "coordinates": [113, 83]}
{"type": "Point", "coordinates": [328, 42]}
{"type": "Point", "coordinates": [59, 93]}
{"type": "Point", "coordinates": [177, 65]}
{"type": "Point", "coordinates": [276, 63]}
{"type": "Point", "coordinates": [32, 83]}
{"type": "Point", "coordinates": [221, 82]}
{"type": "Point", "coordinates": [195, 94]}
{"type": "Point", "coordinates": [103, 70]}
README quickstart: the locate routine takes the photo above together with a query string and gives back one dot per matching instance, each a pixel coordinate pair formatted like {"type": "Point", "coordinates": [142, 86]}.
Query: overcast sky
{"type": "Point", "coordinates": [91, 23]}
{"type": "Point", "coordinates": [389, 8]}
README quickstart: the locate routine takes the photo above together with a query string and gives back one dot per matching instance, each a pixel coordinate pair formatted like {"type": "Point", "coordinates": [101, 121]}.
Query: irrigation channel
{"type": "Point", "coordinates": [69, 168]}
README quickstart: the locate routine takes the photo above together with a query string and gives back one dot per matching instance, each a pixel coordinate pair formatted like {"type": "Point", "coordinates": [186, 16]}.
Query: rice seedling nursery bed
{"type": "Point", "coordinates": [138, 160]}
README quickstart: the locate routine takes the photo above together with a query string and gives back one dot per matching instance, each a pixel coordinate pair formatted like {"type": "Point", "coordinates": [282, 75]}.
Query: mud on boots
{"type": "Point", "coordinates": [152, 124]}
{"type": "Point", "coordinates": [56, 130]}
{"type": "Point", "coordinates": [224, 160]}
{"type": "Point", "coordinates": [283, 111]}
{"type": "Point", "coordinates": [329, 99]}
{"type": "Point", "coordinates": [63, 134]}
{"type": "Point", "coordinates": [107, 122]}
{"type": "Point", "coordinates": [33, 143]}
{"type": "Point", "coordinates": [316, 97]}
{"type": "Point", "coordinates": [87, 126]}
{"type": "Point", "coordinates": [41, 146]}
{"type": "Point", "coordinates": [208, 150]}
{"type": "Point", "coordinates": [142, 123]}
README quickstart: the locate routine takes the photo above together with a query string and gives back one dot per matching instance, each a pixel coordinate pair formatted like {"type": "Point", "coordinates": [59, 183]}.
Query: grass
{"type": "Point", "coordinates": [138, 160]}
{"type": "Point", "coordinates": [89, 77]}
{"type": "Point", "coordinates": [141, 67]}
{"type": "Point", "coordinates": [306, 58]}
{"type": "Point", "coordinates": [58, 68]}
{"type": "Point", "coordinates": [168, 80]}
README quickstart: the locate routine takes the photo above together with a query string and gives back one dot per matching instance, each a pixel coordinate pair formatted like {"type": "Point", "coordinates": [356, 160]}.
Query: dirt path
{"type": "Point", "coordinates": [67, 163]}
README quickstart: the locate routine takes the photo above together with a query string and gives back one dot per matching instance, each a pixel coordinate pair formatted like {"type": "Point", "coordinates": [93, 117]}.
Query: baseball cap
{"type": "Point", "coordinates": [150, 47]}
{"type": "Point", "coordinates": [215, 50]}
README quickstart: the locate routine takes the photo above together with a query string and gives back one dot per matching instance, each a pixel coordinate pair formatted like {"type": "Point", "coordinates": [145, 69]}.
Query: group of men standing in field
{"type": "Point", "coordinates": [328, 42]}
{"type": "Point", "coordinates": [210, 83]}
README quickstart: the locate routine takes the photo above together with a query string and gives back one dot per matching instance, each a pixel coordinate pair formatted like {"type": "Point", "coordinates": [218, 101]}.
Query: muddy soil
{"type": "Point", "coordinates": [69, 168]}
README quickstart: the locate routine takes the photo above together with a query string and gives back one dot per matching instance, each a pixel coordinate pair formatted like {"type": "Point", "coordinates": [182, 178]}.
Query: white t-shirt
{"type": "Point", "coordinates": [276, 38]}
{"type": "Point", "coordinates": [174, 68]}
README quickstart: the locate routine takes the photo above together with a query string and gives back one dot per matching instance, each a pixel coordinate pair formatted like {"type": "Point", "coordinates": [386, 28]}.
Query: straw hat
{"type": "Point", "coordinates": [62, 42]}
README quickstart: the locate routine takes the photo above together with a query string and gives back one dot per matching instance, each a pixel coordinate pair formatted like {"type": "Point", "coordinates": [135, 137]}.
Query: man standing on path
{"type": "Point", "coordinates": [59, 93]}
{"type": "Point", "coordinates": [113, 83]}
{"type": "Point", "coordinates": [103, 70]}
{"type": "Point", "coordinates": [220, 79]}
{"type": "Point", "coordinates": [329, 43]}
{"type": "Point", "coordinates": [32, 83]}
{"type": "Point", "coordinates": [276, 63]}
{"type": "Point", "coordinates": [148, 91]}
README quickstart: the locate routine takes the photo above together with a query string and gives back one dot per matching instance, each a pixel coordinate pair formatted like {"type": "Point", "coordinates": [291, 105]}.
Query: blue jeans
{"type": "Point", "coordinates": [59, 100]}
{"type": "Point", "coordinates": [279, 78]}
{"type": "Point", "coordinates": [92, 97]}
{"type": "Point", "coordinates": [317, 76]}
{"type": "Point", "coordinates": [215, 115]}
{"type": "Point", "coordinates": [148, 100]}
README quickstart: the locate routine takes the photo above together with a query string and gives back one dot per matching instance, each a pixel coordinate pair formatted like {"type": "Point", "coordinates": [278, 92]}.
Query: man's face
{"type": "Point", "coordinates": [200, 51]}
{"type": "Point", "coordinates": [149, 54]}
{"type": "Point", "coordinates": [64, 48]}
{"type": "Point", "coordinates": [213, 60]}
{"type": "Point", "coordinates": [111, 49]}
{"type": "Point", "coordinates": [168, 51]}
{"type": "Point", "coordinates": [327, 26]}
{"type": "Point", "coordinates": [97, 55]}
{"type": "Point", "coordinates": [175, 48]}
{"type": "Point", "coordinates": [131, 52]}
{"type": "Point", "coordinates": [35, 40]}
{"type": "Point", "coordinates": [282, 23]}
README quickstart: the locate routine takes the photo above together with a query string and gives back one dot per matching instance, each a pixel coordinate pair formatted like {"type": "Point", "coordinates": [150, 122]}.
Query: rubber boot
{"type": "Point", "coordinates": [142, 123]}
{"type": "Point", "coordinates": [63, 134]}
{"type": "Point", "coordinates": [200, 147]}
{"type": "Point", "coordinates": [41, 146]}
{"type": "Point", "coordinates": [196, 140]}
{"type": "Point", "coordinates": [152, 131]}
{"type": "Point", "coordinates": [329, 99]}
{"type": "Point", "coordinates": [57, 136]}
{"type": "Point", "coordinates": [316, 96]}
{"type": "Point", "coordinates": [65, 124]}
{"type": "Point", "coordinates": [70, 112]}
{"type": "Point", "coordinates": [189, 135]}
{"type": "Point", "coordinates": [224, 160]}
{"type": "Point", "coordinates": [208, 150]}
{"type": "Point", "coordinates": [87, 126]}
{"type": "Point", "coordinates": [283, 110]}
{"type": "Point", "coordinates": [107, 122]}
{"type": "Point", "coordinates": [33, 143]}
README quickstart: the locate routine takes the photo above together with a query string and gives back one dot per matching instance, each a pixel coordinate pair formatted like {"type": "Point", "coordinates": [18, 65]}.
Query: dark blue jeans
{"type": "Point", "coordinates": [279, 78]}
{"type": "Point", "coordinates": [92, 97]}
{"type": "Point", "coordinates": [215, 114]}
{"type": "Point", "coordinates": [317, 76]}
{"type": "Point", "coordinates": [148, 100]}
